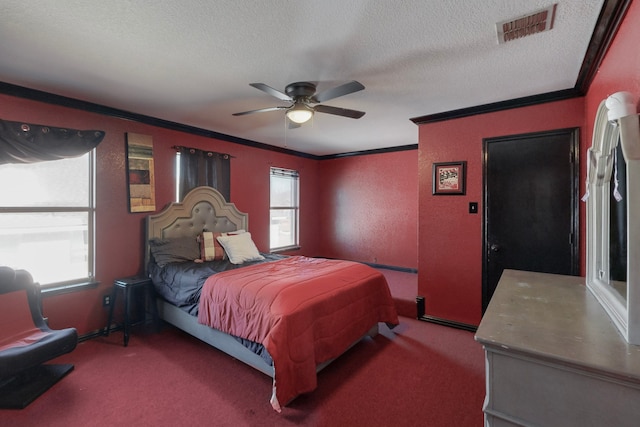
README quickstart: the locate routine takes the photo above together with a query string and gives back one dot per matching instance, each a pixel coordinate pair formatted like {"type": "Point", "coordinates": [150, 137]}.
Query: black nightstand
{"type": "Point", "coordinates": [129, 285]}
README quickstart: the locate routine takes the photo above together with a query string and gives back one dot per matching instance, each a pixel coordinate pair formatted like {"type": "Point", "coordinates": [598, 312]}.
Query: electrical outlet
{"type": "Point", "coordinates": [106, 300]}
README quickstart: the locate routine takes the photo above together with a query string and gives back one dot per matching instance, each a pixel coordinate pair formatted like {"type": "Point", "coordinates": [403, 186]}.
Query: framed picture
{"type": "Point", "coordinates": [449, 178]}
{"type": "Point", "coordinates": [140, 173]}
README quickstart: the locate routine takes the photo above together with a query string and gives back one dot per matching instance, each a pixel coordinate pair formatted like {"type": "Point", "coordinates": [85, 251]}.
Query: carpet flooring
{"type": "Point", "coordinates": [419, 374]}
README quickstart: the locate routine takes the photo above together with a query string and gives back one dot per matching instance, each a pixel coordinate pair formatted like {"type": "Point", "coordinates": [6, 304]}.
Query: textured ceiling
{"type": "Point", "coordinates": [191, 61]}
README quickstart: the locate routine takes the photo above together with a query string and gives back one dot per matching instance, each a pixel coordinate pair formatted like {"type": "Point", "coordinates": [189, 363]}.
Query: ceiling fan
{"type": "Point", "coordinates": [301, 96]}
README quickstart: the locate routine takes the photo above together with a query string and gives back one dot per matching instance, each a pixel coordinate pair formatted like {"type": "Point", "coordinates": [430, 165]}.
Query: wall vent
{"type": "Point", "coordinates": [536, 22]}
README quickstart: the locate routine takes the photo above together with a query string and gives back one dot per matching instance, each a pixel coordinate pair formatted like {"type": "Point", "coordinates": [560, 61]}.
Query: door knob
{"type": "Point", "coordinates": [495, 248]}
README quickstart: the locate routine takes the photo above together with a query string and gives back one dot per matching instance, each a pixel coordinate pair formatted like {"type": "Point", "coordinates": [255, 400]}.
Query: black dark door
{"type": "Point", "coordinates": [531, 205]}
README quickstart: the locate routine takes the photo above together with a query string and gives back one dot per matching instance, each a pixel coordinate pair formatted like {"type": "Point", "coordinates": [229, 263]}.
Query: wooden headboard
{"type": "Point", "coordinates": [203, 209]}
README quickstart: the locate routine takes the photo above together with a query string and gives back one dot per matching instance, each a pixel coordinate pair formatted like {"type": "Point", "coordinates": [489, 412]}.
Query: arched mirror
{"type": "Point", "coordinates": [613, 213]}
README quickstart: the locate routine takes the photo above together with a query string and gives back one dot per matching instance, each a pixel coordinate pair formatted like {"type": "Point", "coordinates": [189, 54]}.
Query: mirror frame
{"type": "Point", "coordinates": [616, 120]}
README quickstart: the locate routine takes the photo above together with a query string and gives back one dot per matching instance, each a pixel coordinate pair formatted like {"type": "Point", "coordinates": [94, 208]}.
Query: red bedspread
{"type": "Point", "coordinates": [305, 311]}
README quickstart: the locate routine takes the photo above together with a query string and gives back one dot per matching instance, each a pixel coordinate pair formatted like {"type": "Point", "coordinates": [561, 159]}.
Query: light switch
{"type": "Point", "coordinates": [473, 207]}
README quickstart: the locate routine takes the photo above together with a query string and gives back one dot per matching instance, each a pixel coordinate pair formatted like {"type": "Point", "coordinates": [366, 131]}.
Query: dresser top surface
{"type": "Point", "coordinates": [556, 317]}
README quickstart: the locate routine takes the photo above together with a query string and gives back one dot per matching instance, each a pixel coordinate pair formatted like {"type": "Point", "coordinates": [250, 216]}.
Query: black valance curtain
{"type": "Point", "coordinates": [28, 143]}
{"type": "Point", "coordinates": [198, 167]}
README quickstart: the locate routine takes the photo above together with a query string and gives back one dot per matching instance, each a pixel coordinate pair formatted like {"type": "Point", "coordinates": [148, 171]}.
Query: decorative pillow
{"type": "Point", "coordinates": [210, 248]}
{"type": "Point", "coordinates": [180, 249]}
{"type": "Point", "coordinates": [240, 248]}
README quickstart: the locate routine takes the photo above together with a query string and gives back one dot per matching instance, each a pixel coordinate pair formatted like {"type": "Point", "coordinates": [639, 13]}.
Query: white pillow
{"type": "Point", "coordinates": [240, 248]}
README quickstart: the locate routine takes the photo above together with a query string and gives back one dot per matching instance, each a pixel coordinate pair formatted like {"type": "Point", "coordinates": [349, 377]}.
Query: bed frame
{"type": "Point", "coordinates": [204, 208]}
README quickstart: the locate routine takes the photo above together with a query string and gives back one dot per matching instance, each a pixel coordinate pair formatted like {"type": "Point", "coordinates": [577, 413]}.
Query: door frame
{"type": "Point", "coordinates": [574, 160]}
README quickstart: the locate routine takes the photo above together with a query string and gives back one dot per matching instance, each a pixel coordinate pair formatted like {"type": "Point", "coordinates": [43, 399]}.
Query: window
{"type": "Point", "coordinates": [284, 209]}
{"type": "Point", "coordinates": [47, 219]}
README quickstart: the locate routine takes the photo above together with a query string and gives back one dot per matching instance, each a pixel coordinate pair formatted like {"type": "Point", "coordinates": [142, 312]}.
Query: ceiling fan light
{"type": "Point", "coordinates": [299, 113]}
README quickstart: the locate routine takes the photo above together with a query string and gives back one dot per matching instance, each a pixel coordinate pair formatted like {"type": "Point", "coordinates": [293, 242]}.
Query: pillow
{"type": "Point", "coordinates": [179, 249]}
{"type": "Point", "coordinates": [240, 248]}
{"type": "Point", "coordinates": [210, 248]}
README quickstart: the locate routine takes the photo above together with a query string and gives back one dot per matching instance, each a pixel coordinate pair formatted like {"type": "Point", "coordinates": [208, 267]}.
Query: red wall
{"type": "Point", "coordinates": [620, 70]}
{"type": "Point", "coordinates": [120, 234]}
{"type": "Point", "coordinates": [450, 239]}
{"type": "Point", "coordinates": [369, 208]}
{"type": "Point", "coordinates": [452, 284]}
{"type": "Point", "coordinates": [345, 203]}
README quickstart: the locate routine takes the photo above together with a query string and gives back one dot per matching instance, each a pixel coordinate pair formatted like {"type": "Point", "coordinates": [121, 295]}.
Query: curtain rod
{"type": "Point", "coordinates": [178, 147]}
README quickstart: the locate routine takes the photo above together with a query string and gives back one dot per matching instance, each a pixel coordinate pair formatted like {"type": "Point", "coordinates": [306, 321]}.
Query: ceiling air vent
{"type": "Point", "coordinates": [536, 22]}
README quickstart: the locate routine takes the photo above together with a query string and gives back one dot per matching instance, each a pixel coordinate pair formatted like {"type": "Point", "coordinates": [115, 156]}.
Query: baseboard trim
{"type": "Point", "coordinates": [392, 267]}
{"type": "Point", "coordinates": [450, 323]}
{"type": "Point", "coordinates": [98, 333]}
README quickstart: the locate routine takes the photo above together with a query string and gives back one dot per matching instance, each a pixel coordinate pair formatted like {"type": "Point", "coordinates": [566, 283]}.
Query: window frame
{"type": "Point", "coordinates": [80, 282]}
{"type": "Point", "coordinates": [295, 176]}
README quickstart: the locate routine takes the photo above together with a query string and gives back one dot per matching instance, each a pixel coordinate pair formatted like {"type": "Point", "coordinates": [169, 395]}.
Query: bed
{"type": "Point", "coordinates": [280, 315]}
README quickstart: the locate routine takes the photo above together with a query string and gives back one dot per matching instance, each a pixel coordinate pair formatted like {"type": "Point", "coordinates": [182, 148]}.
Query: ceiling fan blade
{"type": "Point", "coordinates": [345, 89]}
{"type": "Point", "coordinates": [271, 91]}
{"type": "Point", "coordinates": [261, 110]}
{"type": "Point", "coordinates": [345, 112]}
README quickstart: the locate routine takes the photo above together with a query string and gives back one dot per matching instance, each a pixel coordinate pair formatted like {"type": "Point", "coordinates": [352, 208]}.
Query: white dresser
{"type": "Point", "coordinates": [554, 358]}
